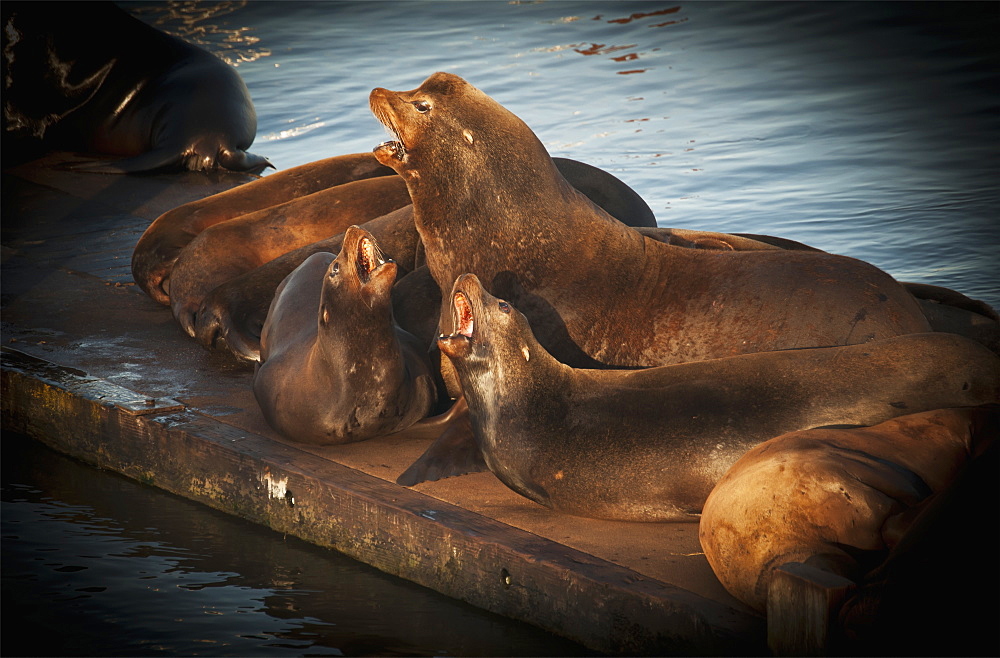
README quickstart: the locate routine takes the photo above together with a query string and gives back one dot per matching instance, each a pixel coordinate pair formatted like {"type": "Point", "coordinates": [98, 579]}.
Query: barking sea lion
{"type": "Point", "coordinates": [650, 444]}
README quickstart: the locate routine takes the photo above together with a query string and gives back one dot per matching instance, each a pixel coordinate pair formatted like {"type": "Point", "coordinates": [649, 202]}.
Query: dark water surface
{"type": "Point", "coordinates": [95, 564]}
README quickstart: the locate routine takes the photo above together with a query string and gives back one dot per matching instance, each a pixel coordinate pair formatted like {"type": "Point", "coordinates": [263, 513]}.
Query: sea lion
{"type": "Point", "coordinates": [90, 77]}
{"type": "Point", "coordinates": [253, 291]}
{"type": "Point", "coordinates": [230, 248]}
{"type": "Point", "coordinates": [913, 601]}
{"type": "Point", "coordinates": [836, 499]}
{"type": "Point", "coordinates": [156, 252]}
{"type": "Point", "coordinates": [650, 444]}
{"type": "Point", "coordinates": [945, 309]}
{"type": "Point", "coordinates": [488, 200]}
{"type": "Point", "coordinates": [598, 293]}
{"type": "Point", "coordinates": [238, 308]}
{"type": "Point", "coordinates": [951, 311]}
{"type": "Point", "coordinates": [335, 367]}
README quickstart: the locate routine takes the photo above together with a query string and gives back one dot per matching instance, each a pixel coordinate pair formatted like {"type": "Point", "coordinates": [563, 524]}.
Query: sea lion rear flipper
{"type": "Point", "coordinates": [170, 158]}
{"type": "Point", "coordinates": [454, 452]}
{"type": "Point", "coordinates": [239, 160]}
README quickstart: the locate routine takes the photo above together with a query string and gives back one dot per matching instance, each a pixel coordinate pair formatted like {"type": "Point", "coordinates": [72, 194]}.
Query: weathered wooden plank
{"type": "Point", "coordinates": [802, 606]}
{"type": "Point", "coordinates": [403, 532]}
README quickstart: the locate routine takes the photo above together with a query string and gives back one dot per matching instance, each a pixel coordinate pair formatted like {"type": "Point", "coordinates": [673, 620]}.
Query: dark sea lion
{"type": "Point", "coordinates": [836, 499]}
{"type": "Point", "coordinates": [228, 249]}
{"type": "Point", "coordinates": [335, 367]}
{"type": "Point", "coordinates": [156, 252]}
{"type": "Point", "coordinates": [650, 444]}
{"type": "Point", "coordinates": [88, 76]}
{"type": "Point", "coordinates": [238, 309]}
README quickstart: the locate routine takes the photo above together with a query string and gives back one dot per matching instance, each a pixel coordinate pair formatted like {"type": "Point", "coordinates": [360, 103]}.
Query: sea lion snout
{"type": "Point", "coordinates": [455, 346]}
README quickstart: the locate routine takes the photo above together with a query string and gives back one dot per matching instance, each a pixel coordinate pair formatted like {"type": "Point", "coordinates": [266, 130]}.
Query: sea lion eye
{"type": "Point", "coordinates": [422, 106]}
{"type": "Point", "coordinates": [504, 307]}
{"type": "Point", "coordinates": [335, 268]}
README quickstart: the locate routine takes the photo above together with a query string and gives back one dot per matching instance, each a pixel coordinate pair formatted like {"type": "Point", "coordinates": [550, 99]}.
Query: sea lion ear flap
{"type": "Point", "coordinates": [379, 286]}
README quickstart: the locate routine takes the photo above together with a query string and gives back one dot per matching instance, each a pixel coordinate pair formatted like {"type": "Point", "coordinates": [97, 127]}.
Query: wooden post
{"type": "Point", "coordinates": [802, 605]}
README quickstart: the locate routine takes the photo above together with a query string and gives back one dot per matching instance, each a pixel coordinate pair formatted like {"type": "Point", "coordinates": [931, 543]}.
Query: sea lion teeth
{"type": "Point", "coordinates": [369, 259]}
{"type": "Point", "coordinates": [395, 147]}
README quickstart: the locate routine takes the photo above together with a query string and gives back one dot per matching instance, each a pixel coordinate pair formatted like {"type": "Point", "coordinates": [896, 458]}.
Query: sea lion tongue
{"type": "Point", "coordinates": [459, 344]}
{"type": "Point", "coordinates": [465, 320]}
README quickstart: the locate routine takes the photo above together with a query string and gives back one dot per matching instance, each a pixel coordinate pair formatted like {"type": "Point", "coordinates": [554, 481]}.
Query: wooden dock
{"type": "Point", "coordinates": [96, 369]}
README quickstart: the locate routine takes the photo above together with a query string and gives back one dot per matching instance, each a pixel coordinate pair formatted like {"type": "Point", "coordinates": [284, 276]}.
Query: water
{"type": "Point", "coordinates": [97, 564]}
{"type": "Point", "coordinates": [866, 129]}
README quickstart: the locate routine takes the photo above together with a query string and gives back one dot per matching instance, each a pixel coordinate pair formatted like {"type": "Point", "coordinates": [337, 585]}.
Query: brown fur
{"type": "Point", "coordinates": [158, 248]}
{"type": "Point", "coordinates": [649, 444]}
{"type": "Point", "coordinates": [834, 498]}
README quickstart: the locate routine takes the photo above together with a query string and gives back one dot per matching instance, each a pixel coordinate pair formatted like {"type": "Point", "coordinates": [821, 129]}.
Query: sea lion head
{"type": "Point", "coordinates": [491, 338]}
{"type": "Point", "coordinates": [449, 128]}
{"type": "Point", "coordinates": [357, 286]}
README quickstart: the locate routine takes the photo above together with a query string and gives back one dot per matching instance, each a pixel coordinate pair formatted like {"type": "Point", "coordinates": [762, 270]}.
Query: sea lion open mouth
{"type": "Point", "coordinates": [458, 344]}
{"type": "Point", "coordinates": [464, 318]}
{"type": "Point", "coordinates": [395, 148]}
{"type": "Point", "coordinates": [369, 258]}
{"type": "Point", "coordinates": [381, 108]}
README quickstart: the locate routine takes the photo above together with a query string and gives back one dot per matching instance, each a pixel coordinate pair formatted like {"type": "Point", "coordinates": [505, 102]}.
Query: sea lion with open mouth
{"type": "Point", "coordinates": [335, 366]}
{"type": "Point", "coordinates": [650, 444]}
{"type": "Point", "coordinates": [162, 242]}
{"type": "Point", "coordinates": [219, 292]}
{"type": "Point", "coordinates": [488, 200]}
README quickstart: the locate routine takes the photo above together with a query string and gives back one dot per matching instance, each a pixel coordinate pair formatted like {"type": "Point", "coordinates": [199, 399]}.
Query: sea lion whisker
{"type": "Point", "coordinates": [395, 143]}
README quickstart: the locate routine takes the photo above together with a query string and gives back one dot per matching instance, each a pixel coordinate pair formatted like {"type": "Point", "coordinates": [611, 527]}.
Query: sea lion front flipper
{"type": "Point", "coordinates": [454, 452]}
